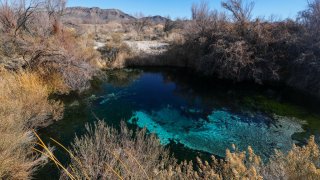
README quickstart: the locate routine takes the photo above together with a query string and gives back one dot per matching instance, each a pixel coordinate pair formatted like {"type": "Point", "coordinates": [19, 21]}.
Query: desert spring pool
{"type": "Point", "coordinates": [192, 113]}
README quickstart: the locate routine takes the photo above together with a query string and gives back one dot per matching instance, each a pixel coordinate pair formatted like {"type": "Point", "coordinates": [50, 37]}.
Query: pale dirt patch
{"type": "Point", "coordinates": [147, 47]}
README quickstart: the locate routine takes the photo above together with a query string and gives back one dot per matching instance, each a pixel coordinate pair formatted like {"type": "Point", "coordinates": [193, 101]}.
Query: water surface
{"type": "Point", "coordinates": [193, 114]}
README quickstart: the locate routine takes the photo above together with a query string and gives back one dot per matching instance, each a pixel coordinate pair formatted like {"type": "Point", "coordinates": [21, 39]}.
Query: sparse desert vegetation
{"type": "Point", "coordinates": [48, 50]}
{"type": "Point", "coordinates": [38, 40]}
{"type": "Point", "coordinates": [238, 47]}
{"type": "Point", "coordinates": [24, 106]}
{"type": "Point", "coordinates": [38, 57]}
{"type": "Point", "coordinates": [233, 45]}
{"type": "Point", "coordinates": [105, 152]}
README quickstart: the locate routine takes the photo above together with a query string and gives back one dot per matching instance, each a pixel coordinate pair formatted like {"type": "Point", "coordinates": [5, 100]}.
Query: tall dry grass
{"type": "Point", "coordinates": [25, 97]}
{"type": "Point", "coordinates": [24, 105]}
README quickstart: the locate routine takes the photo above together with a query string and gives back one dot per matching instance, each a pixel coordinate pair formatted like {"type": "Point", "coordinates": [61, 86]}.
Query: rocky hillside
{"type": "Point", "coordinates": [156, 19]}
{"type": "Point", "coordinates": [83, 15]}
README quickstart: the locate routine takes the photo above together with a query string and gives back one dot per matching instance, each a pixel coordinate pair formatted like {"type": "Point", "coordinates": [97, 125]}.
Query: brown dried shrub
{"type": "Point", "coordinates": [106, 153]}
{"type": "Point", "coordinates": [24, 105]}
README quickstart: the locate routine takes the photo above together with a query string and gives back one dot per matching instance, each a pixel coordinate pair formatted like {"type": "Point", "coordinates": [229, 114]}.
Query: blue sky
{"type": "Point", "coordinates": [181, 8]}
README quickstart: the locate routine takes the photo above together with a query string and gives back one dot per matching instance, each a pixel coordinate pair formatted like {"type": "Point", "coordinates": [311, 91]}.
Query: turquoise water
{"type": "Point", "coordinates": [219, 130]}
{"type": "Point", "coordinates": [190, 114]}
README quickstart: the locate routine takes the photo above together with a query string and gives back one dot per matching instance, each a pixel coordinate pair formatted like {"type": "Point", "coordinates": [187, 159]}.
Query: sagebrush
{"type": "Point", "coordinates": [103, 152]}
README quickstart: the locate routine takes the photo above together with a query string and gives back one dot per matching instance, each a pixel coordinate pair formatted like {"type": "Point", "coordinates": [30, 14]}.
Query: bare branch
{"type": "Point", "coordinates": [241, 12]}
{"type": "Point", "coordinates": [140, 23]}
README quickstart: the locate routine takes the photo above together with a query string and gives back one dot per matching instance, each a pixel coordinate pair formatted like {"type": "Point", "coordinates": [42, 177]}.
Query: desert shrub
{"type": "Point", "coordinates": [115, 53]}
{"type": "Point", "coordinates": [108, 154]}
{"type": "Point", "coordinates": [38, 40]}
{"type": "Point", "coordinates": [71, 56]}
{"type": "Point", "coordinates": [25, 96]}
{"type": "Point", "coordinates": [236, 165]}
{"type": "Point", "coordinates": [298, 163]}
{"type": "Point", "coordinates": [303, 69]}
{"type": "Point", "coordinates": [53, 80]}
{"type": "Point", "coordinates": [27, 79]}
{"type": "Point", "coordinates": [139, 25]}
{"type": "Point", "coordinates": [241, 14]}
{"type": "Point", "coordinates": [17, 160]}
{"type": "Point", "coordinates": [235, 46]}
{"type": "Point", "coordinates": [219, 47]}
{"type": "Point", "coordinates": [105, 152]}
{"type": "Point", "coordinates": [310, 18]}
{"type": "Point", "coordinates": [116, 38]}
{"type": "Point", "coordinates": [232, 60]}
{"type": "Point", "coordinates": [169, 25]}
{"type": "Point", "coordinates": [24, 105]}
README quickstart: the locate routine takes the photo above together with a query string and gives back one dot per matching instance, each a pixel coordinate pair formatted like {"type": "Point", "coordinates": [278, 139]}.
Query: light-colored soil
{"type": "Point", "coordinates": [98, 45]}
{"type": "Point", "coordinates": [142, 47]}
{"type": "Point", "coordinates": [147, 47]}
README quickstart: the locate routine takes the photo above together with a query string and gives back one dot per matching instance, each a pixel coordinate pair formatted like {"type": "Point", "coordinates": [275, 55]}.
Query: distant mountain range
{"type": "Point", "coordinates": [156, 19]}
{"type": "Point", "coordinates": [84, 15]}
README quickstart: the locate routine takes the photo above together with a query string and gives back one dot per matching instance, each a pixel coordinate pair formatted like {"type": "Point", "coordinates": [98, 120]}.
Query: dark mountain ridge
{"type": "Point", "coordinates": [86, 15]}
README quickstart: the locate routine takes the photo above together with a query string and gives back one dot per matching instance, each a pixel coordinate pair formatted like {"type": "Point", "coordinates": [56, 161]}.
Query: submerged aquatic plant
{"type": "Point", "coordinates": [220, 130]}
{"type": "Point", "coordinates": [272, 106]}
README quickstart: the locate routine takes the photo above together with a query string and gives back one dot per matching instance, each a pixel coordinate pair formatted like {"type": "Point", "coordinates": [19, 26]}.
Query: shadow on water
{"type": "Point", "coordinates": [192, 115]}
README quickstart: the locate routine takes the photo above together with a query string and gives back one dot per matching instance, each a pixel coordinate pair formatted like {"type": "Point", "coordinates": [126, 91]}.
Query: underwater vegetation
{"type": "Point", "coordinates": [220, 129]}
{"type": "Point", "coordinates": [272, 106]}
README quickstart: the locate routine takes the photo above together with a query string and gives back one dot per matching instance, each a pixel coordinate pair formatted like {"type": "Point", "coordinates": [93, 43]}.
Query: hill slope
{"type": "Point", "coordinates": [84, 15]}
{"type": "Point", "coordinates": [93, 15]}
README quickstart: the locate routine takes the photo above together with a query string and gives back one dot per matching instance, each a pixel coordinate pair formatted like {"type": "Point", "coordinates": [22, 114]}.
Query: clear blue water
{"type": "Point", "coordinates": [192, 115]}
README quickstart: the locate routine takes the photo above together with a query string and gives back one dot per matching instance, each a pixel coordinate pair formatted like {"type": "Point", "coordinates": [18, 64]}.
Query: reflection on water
{"type": "Point", "coordinates": [201, 114]}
